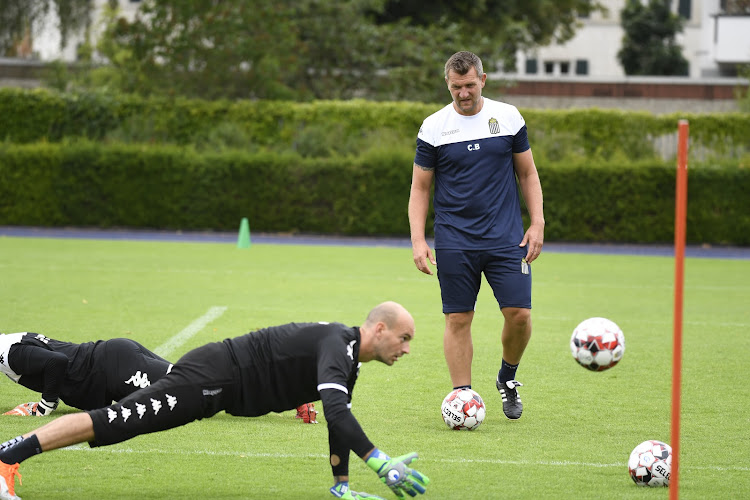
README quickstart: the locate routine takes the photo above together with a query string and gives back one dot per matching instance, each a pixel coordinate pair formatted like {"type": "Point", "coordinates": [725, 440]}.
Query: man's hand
{"type": "Point", "coordinates": [307, 413]}
{"type": "Point", "coordinates": [396, 475]}
{"type": "Point", "coordinates": [341, 490]}
{"type": "Point", "coordinates": [40, 409]}
{"type": "Point", "coordinates": [423, 256]}
{"type": "Point", "coordinates": [533, 240]}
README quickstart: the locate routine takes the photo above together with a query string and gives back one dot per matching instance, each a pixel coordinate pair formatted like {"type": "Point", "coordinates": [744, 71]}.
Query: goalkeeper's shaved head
{"type": "Point", "coordinates": [389, 313]}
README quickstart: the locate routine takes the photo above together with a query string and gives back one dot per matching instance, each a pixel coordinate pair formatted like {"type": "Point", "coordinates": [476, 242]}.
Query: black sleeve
{"type": "Point", "coordinates": [344, 432]}
{"type": "Point", "coordinates": [41, 370]}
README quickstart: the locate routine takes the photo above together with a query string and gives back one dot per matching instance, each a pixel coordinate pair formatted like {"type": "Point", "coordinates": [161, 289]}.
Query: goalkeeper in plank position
{"type": "Point", "coordinates": [85, 376]}
{"type": "Point", "coordinates": [270, 370]}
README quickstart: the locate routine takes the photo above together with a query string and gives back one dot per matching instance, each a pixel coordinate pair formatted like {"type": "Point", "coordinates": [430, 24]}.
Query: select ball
{"type": "Point", "coordinates": [650, 464]}
{"type": "Point", "coordinates": [463, 409]}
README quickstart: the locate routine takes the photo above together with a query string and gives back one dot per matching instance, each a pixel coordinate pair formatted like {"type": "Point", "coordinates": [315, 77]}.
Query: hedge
{"type": "Point", "coordinates": [171, 187]}
{"type": "Point", "coordinates": [556, 135]}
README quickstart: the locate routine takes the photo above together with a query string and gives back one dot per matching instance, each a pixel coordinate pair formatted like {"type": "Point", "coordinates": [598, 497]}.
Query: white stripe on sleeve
{"type": "Point", "coordinates": [333, 386]}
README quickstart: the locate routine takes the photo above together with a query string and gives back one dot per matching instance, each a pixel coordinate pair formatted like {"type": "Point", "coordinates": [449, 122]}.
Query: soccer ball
{"type": "Point", "coordinates": [650, 463]}
{"type": "Point", "coordinates": [597, 344]}
{"type": "Point", "coordinates": [463, 409]}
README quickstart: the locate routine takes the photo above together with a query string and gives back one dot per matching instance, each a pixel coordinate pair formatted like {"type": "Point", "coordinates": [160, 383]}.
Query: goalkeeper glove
{"type": "Point", "coordinates": [396, 475]}
{"type": "Point", "coordinates": [341, 490]}
{"type": "Point", "coordinates": [307, 413]}
{"type": "Point", "coordinates": [40, 409]}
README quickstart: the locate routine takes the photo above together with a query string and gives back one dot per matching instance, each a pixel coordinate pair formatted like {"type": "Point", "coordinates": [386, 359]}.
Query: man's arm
{"type": "Point", "coordinates": [419, 204]}
{"type": "Point", "coordinates": [531, 188]}
{"type": "Point", "coordinates": [345, 433]}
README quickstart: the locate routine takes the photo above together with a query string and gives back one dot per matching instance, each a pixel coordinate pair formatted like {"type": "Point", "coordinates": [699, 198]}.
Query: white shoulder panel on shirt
{"type": "Point", "coordinates": [446, 126]}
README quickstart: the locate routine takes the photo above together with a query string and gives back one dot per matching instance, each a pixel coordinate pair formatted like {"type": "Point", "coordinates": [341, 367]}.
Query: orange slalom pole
{"type": "Point", "coordinates": [680, 223]}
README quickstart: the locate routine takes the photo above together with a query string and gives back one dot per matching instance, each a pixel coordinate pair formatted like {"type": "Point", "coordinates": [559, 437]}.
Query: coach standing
{"type": "Point", "coordinates": [474, 149]}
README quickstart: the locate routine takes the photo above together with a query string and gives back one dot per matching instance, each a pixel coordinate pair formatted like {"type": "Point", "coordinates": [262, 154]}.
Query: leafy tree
{"type": "Point", "coordinates": [338, 45]}
{"type": "Point", "coordinates": [19, 18]}
{"type": "Point", "coordinates": [649, 46]}
{"type": "Point", "coordinates": [202, 48]}
{"type": "Point", "coordinates": [497, 30]}
{"type": "Point", "coordinates": [305, 49]}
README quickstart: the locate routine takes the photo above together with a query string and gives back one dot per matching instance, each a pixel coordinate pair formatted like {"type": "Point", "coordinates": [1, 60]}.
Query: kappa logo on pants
{"type": "Point", "coordinates": [155, 405]}
{"type": "Point", "coordinates": [125, 413]}
{"type": "Point", "coordinates": [139, 380]}
{"type": "Point", "coordinates": [141, 409]}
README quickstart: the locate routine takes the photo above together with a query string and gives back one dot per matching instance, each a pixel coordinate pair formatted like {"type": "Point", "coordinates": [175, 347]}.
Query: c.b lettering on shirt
{"type": "Point", "coordinates": [473, 147]}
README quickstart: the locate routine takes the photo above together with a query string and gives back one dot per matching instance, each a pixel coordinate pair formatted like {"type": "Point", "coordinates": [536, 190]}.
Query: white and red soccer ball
{"type": "Point", "coordinates": [650, 463]}
{"type": "Point", "coordinates": [597, 344]}
{"type": "Point", "coordinates": [463, 409]}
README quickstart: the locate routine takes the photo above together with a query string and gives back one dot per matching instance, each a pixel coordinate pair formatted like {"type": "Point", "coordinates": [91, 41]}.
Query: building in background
{"type": "Point", "coordinates": [585, 72]}
{"type": "Point", "coordinates": [714, 42]}
{"type": "Point", "coordinates": [45, 43]}
{"type": "Point", "coordinates": [41, 45]}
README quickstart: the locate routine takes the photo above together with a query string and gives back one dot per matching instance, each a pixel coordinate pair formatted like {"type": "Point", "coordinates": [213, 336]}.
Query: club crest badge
{"type": "Point", "coordinates": [494, 126]}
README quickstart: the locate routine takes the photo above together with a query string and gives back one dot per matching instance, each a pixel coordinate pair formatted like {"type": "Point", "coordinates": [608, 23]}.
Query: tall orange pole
{"type": "Point", "coordinates": [680, 223]}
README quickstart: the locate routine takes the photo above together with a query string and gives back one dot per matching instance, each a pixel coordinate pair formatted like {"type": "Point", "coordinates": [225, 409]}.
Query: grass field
{"type": "Point", "coordinates": [573, 441]}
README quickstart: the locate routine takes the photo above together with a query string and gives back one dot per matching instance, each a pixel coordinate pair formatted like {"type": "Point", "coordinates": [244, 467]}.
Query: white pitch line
{"type": "Point", "coordinates": [543, 463]}
{"type": "Point", "coordinates": [168, 347]}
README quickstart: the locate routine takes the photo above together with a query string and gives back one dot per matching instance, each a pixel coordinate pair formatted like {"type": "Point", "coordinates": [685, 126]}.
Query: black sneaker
{"type": "Point", "coordinates": [512, 406]}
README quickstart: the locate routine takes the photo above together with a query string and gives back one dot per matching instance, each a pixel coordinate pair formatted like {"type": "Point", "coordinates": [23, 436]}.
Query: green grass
{"type": "Point", "coordinates": [573, 441]}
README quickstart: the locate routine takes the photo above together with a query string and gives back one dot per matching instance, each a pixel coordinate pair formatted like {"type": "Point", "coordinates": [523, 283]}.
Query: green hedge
{"type": "Point", "coordinates": [90, 184]}
{"type": "Point", "coordinates": [171, 187]}
{"type": "Point", "coordinates": [347, 127]}
{"type": "Point", "coordinates": [35, 115]}
{"type": "Point", "coordinates": [635, 203]}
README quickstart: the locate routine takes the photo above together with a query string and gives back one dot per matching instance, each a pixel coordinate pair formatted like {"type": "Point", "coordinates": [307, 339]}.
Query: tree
{"type": "Point", "coordinates": [305, 49]}
{"type": "Point", "coordinates": [496, 29]}
{"type": "Point", "coordinates": [20, 18]}
{"type": "Point", "coordinates": [649, 46]}
{"type": "Point", "coordinates": [201, 48]}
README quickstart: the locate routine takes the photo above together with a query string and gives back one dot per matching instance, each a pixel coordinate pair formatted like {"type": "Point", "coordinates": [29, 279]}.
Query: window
{"type": "Point", "coordinates": [531, 66]}
{"type": "Point", "coordinates": [684, 8]}
{"type": "Point", "coordinates": [564, 68]}
{"type": "Point", "coordinates": [582, 67]}
{"type": "Point", "coordinates": [549, 67]}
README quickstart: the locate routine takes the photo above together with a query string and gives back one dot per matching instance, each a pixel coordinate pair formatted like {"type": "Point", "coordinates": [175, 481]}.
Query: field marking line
{"type": "Point", "coordinates": [177, 340]}
{"type": "Point", "coordinates": [554, 463]}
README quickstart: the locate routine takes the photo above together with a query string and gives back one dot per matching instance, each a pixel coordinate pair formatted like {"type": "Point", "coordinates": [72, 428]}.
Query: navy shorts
{"type": "Point", "coordinates": [460, 276]}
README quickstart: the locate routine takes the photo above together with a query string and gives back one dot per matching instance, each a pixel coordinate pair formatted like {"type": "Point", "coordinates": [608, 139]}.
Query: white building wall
{"type": "Point", "coordinates": [46, 35]}
{"type": "Point", "coordinates": [600, 38]}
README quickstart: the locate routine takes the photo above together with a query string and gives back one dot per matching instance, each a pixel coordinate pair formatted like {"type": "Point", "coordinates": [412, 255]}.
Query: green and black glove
{"type": "Point", "coordinates": [396, 475]}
